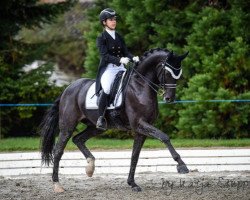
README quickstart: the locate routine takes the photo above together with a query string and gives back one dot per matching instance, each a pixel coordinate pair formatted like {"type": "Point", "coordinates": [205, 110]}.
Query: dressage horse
{"type": "Point", "coordinates": [158, 68]}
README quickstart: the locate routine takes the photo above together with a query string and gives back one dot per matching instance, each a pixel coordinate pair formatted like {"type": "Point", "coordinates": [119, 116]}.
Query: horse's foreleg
{"type": "Point", "coordinates": [58, 152]}
{"type": "Point", "coordinates": [149, 130]}
{"type": "Point", "coordinates": [138, 143]}
{"type": "Point", "coordinates": [80, 140]}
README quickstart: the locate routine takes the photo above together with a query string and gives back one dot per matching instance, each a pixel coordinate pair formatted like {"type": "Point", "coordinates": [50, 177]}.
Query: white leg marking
{"type": "Point", "coordinates": [58, 188]}
{"type": "Point", "coordinates": [90, 168]}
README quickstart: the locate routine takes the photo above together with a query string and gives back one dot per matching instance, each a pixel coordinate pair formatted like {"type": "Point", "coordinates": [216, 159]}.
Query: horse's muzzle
{"type": "Point", "coordinates": [169, 95]}
{"type": "Point", "coordinates": [168, 99]}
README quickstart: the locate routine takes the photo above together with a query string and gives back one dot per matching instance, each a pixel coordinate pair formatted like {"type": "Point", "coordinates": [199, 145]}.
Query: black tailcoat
{"type": "Point", "coordinates": [110, 51]}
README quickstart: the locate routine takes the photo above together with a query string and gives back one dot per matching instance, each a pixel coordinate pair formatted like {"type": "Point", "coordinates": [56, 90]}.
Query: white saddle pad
{"type": "Point", "coordinates": [91, 99]}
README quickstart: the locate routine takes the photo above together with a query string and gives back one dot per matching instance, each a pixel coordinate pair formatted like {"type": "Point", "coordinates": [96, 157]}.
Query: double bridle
{"type": "Point", "coordinates": [165, 66]}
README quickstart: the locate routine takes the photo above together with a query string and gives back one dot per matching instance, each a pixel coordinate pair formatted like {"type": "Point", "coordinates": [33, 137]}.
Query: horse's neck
{"type": "Point", "coordinates": [147, 69]}
{"type": "Point", "coordinates": [142, 87]}
{"type": "Point", "coordinates": [144, 80]}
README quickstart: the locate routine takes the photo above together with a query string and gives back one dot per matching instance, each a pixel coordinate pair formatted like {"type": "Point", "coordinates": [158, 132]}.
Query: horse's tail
{"type": "Point", "coordinates": [48, 129]}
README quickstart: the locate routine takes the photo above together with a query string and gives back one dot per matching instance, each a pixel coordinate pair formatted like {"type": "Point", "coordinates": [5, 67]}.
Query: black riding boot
{"type": "Point", "coordinates": [101, 122]}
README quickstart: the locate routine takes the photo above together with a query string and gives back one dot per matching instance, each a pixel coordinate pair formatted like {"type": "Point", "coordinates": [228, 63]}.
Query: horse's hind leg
{"type": "Point", "coordinates": [63, 138]}
{"type": "Point", "coordinates": [80, 140]}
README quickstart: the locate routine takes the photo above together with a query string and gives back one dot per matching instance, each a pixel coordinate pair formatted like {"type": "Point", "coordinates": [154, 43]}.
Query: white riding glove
{"type": "Point", "coordinates": [136, 59]}
{"type": "Point", "coordinates": [124, 60]}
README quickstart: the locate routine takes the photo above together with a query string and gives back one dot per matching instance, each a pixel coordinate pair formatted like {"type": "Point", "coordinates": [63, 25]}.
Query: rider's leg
{"type": "Point", "coordinates": [107, 80]}
{"type": "Point", "coordinates": [103, 102]}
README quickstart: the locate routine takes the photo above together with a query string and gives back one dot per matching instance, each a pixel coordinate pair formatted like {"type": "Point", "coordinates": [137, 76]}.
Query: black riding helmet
{"type": "Point", "coordinates": [107, 13]}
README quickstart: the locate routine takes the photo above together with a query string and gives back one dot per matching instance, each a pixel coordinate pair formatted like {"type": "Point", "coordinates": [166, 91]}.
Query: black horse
{"type": "Point", "coordinates": [157, 68]}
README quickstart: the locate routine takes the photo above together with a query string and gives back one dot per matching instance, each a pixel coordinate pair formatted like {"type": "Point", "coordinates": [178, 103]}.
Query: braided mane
{"type": "Point", "coordinates": [150, 52]}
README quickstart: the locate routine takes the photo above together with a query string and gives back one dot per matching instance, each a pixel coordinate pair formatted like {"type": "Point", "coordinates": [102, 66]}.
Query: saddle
{"type": "Point", "coordinates": [116, 94]}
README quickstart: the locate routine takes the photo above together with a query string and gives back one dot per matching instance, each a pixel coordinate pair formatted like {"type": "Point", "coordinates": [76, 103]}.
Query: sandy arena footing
{"type": "Point", "coordinates": [157, 186]}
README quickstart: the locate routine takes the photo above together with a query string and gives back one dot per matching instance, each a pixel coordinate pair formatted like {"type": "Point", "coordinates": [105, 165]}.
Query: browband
{"type": "Point", "coordinates": [172, 73]}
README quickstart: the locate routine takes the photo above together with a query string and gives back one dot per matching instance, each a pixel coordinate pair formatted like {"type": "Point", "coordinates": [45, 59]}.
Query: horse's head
{"type": "Point", "coordinates": [169, 71]}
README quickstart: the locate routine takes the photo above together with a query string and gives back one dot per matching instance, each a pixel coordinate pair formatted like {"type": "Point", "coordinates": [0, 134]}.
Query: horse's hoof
{"type": "Point", "coordinates": [90, 168]}
{"type": "Point", "coordinates": [182, 169]}
{"type": "Point", "coordinates": [58, 188]}
{"type": "Point", "coordinates": [136, 189]}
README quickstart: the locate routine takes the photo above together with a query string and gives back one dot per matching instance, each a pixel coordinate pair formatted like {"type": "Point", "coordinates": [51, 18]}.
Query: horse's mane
{"type": "Point", "coordinates": [151, 52]}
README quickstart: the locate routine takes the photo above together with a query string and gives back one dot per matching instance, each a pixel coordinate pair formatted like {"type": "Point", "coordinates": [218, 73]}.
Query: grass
{"type": "Point", "coordinates": [32, 144]}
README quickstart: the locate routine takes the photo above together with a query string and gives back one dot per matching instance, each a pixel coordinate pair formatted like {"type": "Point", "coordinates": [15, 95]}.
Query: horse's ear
{"type": "Point", "coordinates": [182, 57]}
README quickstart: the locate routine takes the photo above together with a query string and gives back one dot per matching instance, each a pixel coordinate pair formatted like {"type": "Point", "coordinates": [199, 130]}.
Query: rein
{"type": "Point", "coordinates": [151, 84]}
{"type": "Point", "coordinates": [155, 87]}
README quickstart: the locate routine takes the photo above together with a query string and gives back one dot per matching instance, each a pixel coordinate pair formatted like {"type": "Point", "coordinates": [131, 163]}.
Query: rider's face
{"type": "Point", "coordinates": [110, 23]}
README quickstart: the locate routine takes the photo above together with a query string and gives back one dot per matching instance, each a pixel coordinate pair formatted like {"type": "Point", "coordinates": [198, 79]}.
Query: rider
{"type": "Point", "coordinates": [114, 55]}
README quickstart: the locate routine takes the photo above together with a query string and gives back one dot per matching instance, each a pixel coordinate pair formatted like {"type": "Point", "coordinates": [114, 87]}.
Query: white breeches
{"type": "Point", "coordinates": [108, 76]}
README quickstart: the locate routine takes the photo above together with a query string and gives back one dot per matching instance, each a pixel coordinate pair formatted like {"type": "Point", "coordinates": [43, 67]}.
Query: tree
{"type": "Point", "coordinates": [219, 70]}
{"type": "Point", "coordinates": [16, 86]}
{"type": "Point", "coordinates": [63, 40]}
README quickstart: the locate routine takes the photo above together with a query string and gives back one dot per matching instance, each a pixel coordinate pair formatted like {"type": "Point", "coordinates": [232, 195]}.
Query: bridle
{"type": "Point", "coordinates": [165, 67]}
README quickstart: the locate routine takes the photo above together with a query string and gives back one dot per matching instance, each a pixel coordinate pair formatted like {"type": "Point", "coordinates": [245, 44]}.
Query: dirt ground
{"type": "Point", "coordinates": [173, 186]}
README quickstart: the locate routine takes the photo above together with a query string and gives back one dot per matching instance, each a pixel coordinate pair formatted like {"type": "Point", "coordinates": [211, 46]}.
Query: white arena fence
{"type": "Point", "coordinates": [118, 162]}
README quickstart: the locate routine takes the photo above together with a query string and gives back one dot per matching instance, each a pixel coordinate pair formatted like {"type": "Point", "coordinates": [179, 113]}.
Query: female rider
{"type": "Point", "coordinates": [114, 55]}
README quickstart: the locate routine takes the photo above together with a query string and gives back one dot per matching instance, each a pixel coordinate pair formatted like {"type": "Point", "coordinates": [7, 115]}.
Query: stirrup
{"type": "Point", "coordinates": [101, 123]}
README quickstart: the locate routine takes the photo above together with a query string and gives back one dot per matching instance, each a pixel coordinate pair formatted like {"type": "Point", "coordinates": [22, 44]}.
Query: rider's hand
{"type": "Point", "coordinates": [124, 60]}
{"type": "Point", "coordinates": [136, 59]}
